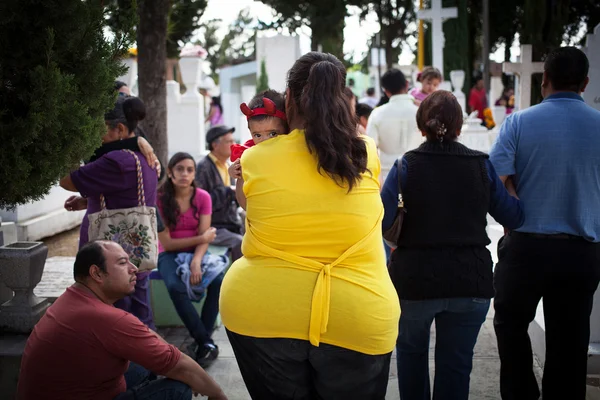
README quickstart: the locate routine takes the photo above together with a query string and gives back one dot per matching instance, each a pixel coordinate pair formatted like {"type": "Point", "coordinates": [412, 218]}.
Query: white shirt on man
{"type": "Point", "coordinates": [393, 126]}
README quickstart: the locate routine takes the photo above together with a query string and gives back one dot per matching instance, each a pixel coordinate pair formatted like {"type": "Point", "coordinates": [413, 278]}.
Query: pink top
{"type": "Point", "coordinates": [187, 223]}
{"type": "Point", "coordinates": [418, 95]}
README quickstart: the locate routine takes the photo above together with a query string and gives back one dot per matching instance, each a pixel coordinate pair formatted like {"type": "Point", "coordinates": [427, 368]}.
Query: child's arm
{"type": "Point", "coordinates": [235, 171]}
{"type": "Point", "coordinates": [239, 192]}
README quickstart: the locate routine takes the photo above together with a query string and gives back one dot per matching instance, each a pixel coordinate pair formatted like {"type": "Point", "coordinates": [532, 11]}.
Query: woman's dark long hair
{"type": "Point", "coordinates": [166, 193]}
{"type": "Point", "coordinates": [316, 83]}
{"type": "Point", "coordinates": [216, 101]}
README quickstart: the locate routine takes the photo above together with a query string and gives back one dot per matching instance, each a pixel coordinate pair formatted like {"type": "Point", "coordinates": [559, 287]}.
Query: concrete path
{"type": "Point", "coordinates": [484, 378]}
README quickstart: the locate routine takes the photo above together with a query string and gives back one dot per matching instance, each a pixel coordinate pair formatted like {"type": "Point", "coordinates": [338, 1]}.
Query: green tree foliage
{"type": "Point", "coordinates": [263, 79]}
{"type": "Point", "coordinates": [237, 46]}
{"type": "Point", "coordinates": [325, 18]}
{"type": "Point", "coordinates": [397, 21]}
{"type": "Point", "coordinates": [56, 83]}
{"type": "Point", "coordinates": [184, 20]}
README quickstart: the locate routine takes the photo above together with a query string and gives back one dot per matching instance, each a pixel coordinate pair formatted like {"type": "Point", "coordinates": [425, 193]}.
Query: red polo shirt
{"type": "Point", "coordinates": [81, 348]}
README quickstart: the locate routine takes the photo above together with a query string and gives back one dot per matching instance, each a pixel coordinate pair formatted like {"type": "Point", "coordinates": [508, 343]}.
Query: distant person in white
{"type": "Point", "coordinates": [394, 125]}
{"type": "Point", "coordinates": [370, 99]}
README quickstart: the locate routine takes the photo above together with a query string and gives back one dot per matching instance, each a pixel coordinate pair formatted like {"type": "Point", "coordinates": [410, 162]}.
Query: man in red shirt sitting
{"type": "Point", "coordinates": [82, 346]}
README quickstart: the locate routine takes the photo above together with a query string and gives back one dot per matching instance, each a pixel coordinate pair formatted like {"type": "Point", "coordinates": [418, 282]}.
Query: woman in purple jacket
{"type": "Point", "coordinates": [114, 175]}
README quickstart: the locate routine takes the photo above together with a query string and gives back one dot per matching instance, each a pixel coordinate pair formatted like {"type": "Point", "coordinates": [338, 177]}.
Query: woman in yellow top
{"type": "Point", "coordinates": [310, 309]}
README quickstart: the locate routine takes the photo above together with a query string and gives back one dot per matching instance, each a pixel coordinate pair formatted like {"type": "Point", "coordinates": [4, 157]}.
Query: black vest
{"type": "Point", "coordinates": [442, 249]}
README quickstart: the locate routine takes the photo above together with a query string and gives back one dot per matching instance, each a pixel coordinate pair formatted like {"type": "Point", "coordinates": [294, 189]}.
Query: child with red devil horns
{"type": "Point", "coordinates": [266, 120]}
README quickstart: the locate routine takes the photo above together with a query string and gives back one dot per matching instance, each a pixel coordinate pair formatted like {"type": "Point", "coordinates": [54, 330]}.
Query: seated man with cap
{"type": "Point", "coordinates": [212, 175]}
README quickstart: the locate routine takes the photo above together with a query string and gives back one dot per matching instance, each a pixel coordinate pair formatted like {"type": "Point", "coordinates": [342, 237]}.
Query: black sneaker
{"type": "Point", "coordinates": [206, 355]}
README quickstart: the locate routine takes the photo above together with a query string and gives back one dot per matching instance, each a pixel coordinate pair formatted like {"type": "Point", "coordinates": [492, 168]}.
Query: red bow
{"type": "Point", "coordinates": [269, 109]}
{"type": "Point", "coordinates": [238, 149]}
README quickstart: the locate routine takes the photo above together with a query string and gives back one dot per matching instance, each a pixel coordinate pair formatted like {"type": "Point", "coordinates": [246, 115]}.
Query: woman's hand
{"type": "Point", "coordinates": [196, 271]}
{"type": "Point", "coordinates": [76, 203]}
{"type": "Point", "coordinates": [235, 169]}
{"type": "Point", "coordinates": [148, 153]}
{"type": "Point", "coordinates": [209, 235]}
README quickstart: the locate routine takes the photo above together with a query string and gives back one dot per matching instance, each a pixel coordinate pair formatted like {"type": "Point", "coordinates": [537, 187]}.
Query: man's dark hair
{"type": "Point", "coordinates": [363, 110]}
{"type": "Point", "coordinates": [91, 253]}
{"type": "Point", "coordinates": [567, 68]}
{"type": "Point", "coordinates": [393, 81]}
{"type": "Point", "coordinates": [371, 91]}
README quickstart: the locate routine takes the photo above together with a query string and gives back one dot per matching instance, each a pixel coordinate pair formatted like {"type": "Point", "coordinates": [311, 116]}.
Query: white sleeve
{"type": "Point", "coordinates": [373, 128]}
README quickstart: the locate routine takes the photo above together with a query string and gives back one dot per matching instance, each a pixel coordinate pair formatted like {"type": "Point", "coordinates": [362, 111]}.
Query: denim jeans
{"type": "Point", "coordinates": [143, 385]}
{"type": "Point", "coordinates": [199, 326]}
{"type": "Point", "coordinates": [457, 325]}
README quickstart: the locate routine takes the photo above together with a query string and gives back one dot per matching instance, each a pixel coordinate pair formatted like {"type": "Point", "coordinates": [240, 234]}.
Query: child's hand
{"type": "Point", "coordinates": [235, 170]}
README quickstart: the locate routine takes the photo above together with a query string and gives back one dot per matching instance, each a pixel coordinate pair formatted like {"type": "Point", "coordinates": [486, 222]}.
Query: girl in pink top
{"type": "Point", "coordinates": [430, 80]}
{"type": "Point", "coordinates": [186, 211]}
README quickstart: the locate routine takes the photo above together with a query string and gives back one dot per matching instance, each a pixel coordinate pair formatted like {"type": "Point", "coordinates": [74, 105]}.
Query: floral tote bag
{"type": "Point", "coordinates": [135, 228]}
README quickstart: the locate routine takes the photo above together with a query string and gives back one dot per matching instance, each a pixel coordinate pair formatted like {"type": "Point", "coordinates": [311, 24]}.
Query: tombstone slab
{"type": "Point", "coordinates": [524, 70]}
{"type": "Point", "coordinates": [437, 15]}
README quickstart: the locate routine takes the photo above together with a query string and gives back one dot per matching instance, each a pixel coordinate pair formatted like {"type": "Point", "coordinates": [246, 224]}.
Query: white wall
{"type": "Point", "coordinates": [279, 52]}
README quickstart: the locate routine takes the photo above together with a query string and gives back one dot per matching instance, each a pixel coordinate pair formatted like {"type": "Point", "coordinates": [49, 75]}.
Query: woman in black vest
{"type": "Point", "coordinates": [441, 268]}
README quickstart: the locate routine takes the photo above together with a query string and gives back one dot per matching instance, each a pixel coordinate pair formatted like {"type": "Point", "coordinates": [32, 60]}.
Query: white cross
{"type": "Point", "coordinates": [437, 15]}
{"type": "Point", "coordinates": [524, 70]}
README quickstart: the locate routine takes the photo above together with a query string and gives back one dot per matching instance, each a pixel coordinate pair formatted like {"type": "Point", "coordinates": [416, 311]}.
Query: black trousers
{"type": "Point", "coordinates": [286, 369]}
{"type": "Point", "coordinates": [564, 272]}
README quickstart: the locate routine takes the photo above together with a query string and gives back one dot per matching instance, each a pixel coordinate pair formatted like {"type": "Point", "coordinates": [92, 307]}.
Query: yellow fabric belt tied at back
{"type": "Point", "coordinates": [321, 298]}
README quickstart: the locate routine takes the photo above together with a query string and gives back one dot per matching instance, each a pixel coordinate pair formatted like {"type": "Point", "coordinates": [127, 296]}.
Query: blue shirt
{"type": "Point", "coordinates": [505, 209]}
{"type": "Point", "coordinates": [553, 151]}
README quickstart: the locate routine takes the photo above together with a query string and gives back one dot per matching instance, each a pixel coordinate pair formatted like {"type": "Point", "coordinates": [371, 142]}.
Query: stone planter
{"type": "Point", "coordinates": [21, 268]}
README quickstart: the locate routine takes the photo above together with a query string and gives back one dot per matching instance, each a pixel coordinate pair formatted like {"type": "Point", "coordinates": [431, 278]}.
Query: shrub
{"type": "Point", "coordinates": [57, 72]}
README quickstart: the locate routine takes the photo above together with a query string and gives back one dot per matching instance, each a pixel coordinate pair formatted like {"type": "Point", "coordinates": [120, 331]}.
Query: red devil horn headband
{"type": "Point", "coordinates": [268, 108]}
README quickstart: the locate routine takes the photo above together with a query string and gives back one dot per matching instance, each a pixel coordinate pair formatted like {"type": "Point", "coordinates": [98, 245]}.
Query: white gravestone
{"type": "Point", "coordinates": [458, 81]}
{"type": "Point", "coordinates": [524, 70]}
{"type": "Point", "coordinates": [474, 135]}
{"type": "Point", "coordinates": [437, 15]}
{"type": "Point", "coordinates": [185, 113]}
{"type": "Point", "coordinates": [592, 50]}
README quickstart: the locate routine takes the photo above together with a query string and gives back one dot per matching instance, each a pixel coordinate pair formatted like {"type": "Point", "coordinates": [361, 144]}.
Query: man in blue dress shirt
{"type": "Point", "coordinates": [551, 152]}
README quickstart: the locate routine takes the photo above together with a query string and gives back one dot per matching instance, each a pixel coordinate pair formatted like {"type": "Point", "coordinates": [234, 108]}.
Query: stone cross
{"type": "Point", "coordinates": [437, 15]}
{"type": "Point", "coordinates": [524, 70]}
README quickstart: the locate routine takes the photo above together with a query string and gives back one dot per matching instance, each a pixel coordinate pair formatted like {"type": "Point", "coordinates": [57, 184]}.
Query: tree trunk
{"type": "Point", "coordinates": [152, 62]}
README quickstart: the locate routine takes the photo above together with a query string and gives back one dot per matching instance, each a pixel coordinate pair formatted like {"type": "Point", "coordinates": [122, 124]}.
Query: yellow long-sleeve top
{"type": "Point", "coordinates": [313, 266]}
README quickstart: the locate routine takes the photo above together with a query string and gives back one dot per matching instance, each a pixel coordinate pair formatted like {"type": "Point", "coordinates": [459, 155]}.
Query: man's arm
{"type": "Point", "coordinates": [189, 372]}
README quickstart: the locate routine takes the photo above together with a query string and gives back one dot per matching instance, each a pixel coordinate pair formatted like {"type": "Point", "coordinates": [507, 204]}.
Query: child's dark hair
{"type": "Point", "coordinates": [430, 73]}
{"type": "Point", "coordinates": [167, 195]}
{"type": "Point", "coordinates": [363, 110]}
{"type": "Point", "coordinates": [440, 116]}
{"type": "Point", "coordinates": [257, 102]}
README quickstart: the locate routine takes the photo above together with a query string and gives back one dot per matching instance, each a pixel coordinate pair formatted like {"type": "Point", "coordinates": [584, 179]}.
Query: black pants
{"type": "Point", "coordinates": [565, 272]}
{"type": "Point", "coordinates": [286, 369]}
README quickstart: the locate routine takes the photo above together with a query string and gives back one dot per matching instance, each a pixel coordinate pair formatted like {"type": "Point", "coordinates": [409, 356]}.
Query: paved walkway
{"type": "Point", "coordinates": [484, 379]}
{"type": "Point", "coordinates": [486, 365]}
